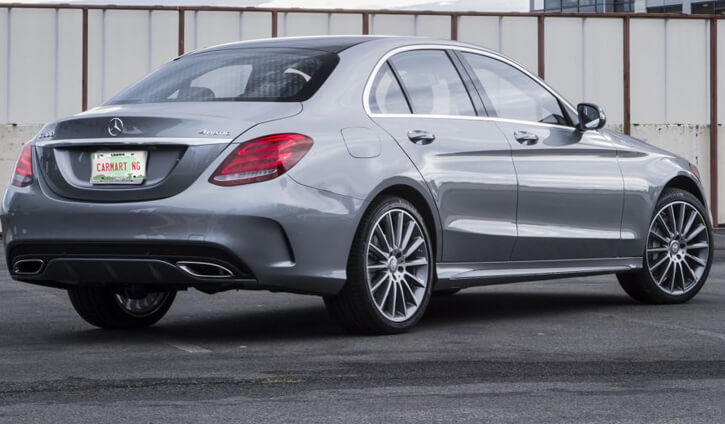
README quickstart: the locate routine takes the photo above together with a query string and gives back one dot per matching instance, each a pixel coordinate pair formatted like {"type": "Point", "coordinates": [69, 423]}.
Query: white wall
{"type": "Point", "coordinates": [516, 37]}
{"type": "Point", "coordinates": [40, 61]}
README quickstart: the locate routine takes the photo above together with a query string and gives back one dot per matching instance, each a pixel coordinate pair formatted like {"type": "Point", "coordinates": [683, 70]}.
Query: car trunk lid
{"type": "Point", "coordinates": [182, 139]}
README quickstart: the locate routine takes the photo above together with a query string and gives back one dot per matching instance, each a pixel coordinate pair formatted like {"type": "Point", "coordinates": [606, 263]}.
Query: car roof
{"type": "Point", "coordinates": [331, 44]}
{"type": "Point", "coordinates": [338, 43]}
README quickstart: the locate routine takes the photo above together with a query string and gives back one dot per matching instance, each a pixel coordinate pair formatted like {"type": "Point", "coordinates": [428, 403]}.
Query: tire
{"type": "Point", "coordinates": [365, 305]}
{"type": "Point", "coordinates": [673, 274]}
{"type": "Point", "coordinates": [104, 307]}
{"type": "Point", "coordinates": [445, 293]}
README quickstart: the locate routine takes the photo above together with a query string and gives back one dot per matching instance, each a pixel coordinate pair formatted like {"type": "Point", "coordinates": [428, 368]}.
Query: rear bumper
{"type": "Point", "coordinates": [138, 263]}
{"type": "Point", "coordinates": [275, 235]}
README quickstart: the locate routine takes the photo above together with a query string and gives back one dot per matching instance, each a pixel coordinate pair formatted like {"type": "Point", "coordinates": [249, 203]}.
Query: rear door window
{"type": "Point", "coordinates": [432, 83]}
{"type": "Point", "coordinates": [386, 96]}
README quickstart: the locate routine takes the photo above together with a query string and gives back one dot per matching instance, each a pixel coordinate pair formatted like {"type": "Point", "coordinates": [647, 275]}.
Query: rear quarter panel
{"type": "Point", "coordinates": [360, 169]}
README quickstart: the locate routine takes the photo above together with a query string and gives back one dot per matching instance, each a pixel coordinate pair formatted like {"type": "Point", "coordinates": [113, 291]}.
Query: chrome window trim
{"type": "Point", "coordinates": [468, 118]}
{"type": "Point", "coordinates": [444, 47]}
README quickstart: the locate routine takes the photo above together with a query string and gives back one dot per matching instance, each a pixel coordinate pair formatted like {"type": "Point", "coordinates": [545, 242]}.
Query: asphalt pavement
{"type": "Point", "coordinates": [571, 351]}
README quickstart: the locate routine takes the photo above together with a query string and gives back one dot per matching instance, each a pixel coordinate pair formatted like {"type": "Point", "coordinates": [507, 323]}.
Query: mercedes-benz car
{"type": "Point", "coordinates": [375, 172]}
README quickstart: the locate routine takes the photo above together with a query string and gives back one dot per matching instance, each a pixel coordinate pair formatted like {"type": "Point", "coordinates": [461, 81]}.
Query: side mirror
{"type": "Point", "coordinates": [591, 117]}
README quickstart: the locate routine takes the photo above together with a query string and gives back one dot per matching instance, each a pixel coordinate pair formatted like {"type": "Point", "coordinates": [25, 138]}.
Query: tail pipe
{"type": "Point", "coordinates": [204, 269]}
{"type": "Point", "coordinates": [28, 266]}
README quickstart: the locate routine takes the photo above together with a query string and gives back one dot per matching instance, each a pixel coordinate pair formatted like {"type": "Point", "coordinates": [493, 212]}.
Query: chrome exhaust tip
{"type": "Point", "coordinates": [28, 266]}
{"type": "Point", "coordinates": [204, 269]}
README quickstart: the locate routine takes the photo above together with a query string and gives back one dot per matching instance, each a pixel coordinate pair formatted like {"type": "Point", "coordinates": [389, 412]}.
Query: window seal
{"type": "Point", "coordinates": [396, 75]}
{"type": "Point", "coordinates": [478, 105]}
{"type": "Point", "coordinates": [459, 48]}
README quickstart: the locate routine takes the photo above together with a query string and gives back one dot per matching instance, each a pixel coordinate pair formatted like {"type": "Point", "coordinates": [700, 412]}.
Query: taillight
{"type": "Point", "coordinates": [23, 175]}
{"type": "Point", "coordinates": [261, 159]}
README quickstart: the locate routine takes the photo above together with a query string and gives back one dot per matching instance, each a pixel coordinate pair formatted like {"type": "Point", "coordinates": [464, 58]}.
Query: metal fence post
{"type": "Point", "coordinates": [84, 61]}
{"type": "Point", "coordinates": [182, 29]}
{"type": "Point", "coordinates": [713, 121]}
{"type": "Point", "coordinates": [626, 77]}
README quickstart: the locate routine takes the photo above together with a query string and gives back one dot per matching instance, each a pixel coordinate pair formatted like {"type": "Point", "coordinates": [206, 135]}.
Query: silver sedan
{"type": "Point", "coordinates": [373, 171]}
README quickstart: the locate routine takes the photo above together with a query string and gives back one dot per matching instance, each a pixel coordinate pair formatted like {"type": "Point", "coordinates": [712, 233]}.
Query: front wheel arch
{"type": "Point", "coordinates": [685, 183]}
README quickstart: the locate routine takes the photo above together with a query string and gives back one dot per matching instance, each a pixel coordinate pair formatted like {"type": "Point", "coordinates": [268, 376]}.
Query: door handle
{"type": "Point", "coordinates": [421, 136]}
{"type": "Point", "coordinates": [526, 138]}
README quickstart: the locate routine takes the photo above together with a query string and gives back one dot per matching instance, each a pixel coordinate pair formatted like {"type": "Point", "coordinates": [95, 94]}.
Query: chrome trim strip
{"type": "Point", "coordinates": [542, 268]}
{"type": "Point", "coordinates": [134, 141]}
{"type": "Point", "coordinates": [468, 118]}
{"type": "Point", "coordinates": [388, 55]}
{"type": "Point", "coordinates": [184, 266]}
{"type": "Point", "coordinates": [17, 271]}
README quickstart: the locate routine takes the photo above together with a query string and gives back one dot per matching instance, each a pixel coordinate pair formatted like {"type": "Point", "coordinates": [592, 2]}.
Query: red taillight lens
{"type": "Point", "coordinates": [261, 159]}
{"type": "Point", "coordinates": [23, 175]}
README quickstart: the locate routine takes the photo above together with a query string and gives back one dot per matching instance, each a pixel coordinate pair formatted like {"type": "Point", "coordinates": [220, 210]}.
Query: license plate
{"type": "Point", "coordinates": [118, 167]}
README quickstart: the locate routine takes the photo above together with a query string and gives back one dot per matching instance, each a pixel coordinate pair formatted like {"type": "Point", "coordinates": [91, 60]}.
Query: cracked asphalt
{"type": "Point", "coordinates": [569, 351]}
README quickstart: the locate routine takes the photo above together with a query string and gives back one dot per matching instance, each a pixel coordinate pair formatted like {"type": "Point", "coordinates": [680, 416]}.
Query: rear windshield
{"type": "Point", "coordinates": [235, 75]}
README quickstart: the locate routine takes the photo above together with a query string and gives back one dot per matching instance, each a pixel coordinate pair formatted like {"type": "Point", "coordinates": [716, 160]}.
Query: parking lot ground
{"type": "Point", "coordinates": [575, 351]}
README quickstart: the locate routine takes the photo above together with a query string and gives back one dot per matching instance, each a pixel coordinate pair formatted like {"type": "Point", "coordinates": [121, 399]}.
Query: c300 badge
{"type": "Point", "coordinates": [216, 133]}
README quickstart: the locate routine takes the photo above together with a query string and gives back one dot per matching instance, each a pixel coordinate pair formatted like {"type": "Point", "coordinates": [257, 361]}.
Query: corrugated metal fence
{"type": "Point", "coordinates": [655, 75]}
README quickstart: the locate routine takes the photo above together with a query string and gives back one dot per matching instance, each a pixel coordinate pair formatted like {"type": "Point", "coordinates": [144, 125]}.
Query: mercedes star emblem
{"type": "Point", "coordinates": [115, 127]}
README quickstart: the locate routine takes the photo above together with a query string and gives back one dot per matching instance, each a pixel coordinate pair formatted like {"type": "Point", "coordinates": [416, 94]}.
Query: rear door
{"type": "Point", "coordinates": [570, 185]}
{"type": "Point", "coordinates": [419, 97]}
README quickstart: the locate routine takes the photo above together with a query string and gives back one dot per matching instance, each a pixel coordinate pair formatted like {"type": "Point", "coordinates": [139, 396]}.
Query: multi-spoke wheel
{"type": "Point", "coordinates": [678, 252]}
{"type": "Point", "coordinates": [142, 306]}
{"type": "Point", "coordinates": [389, 272]}
{"type": "Point", "coordinates": [397, 265]}
{"type": "Point", "coordinates": [108, 308]}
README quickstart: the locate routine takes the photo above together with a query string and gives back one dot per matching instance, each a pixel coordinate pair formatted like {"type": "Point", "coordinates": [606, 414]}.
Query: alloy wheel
{"type": "Point", "coordinates": [678, 248]}
{"type": "Point", "coordinates": [143, 306]}
{"type": "Point", "coordinates": [397, 264]}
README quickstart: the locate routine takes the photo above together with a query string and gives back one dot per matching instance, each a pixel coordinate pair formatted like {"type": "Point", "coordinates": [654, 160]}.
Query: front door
{"type": "Point", "coordinates": [571, 190]}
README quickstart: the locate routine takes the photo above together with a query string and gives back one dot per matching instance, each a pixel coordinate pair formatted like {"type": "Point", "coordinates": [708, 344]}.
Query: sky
{"type": "Point", "coordinates": [447, 5]}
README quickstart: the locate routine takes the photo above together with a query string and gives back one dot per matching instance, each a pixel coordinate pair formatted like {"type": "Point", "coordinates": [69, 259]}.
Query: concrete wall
{"type": "Point", "coordinates": [40, 62]}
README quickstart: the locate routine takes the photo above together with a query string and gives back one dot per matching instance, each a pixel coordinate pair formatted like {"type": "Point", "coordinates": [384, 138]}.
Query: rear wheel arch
{"type": "Point", "coordinates": [423, 204]}
{"type": "Point", "coordinates": [364, 304]}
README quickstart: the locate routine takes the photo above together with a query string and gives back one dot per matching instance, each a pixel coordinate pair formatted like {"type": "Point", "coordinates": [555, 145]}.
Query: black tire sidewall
{"type": "Point", "coordinates": [98, 307]}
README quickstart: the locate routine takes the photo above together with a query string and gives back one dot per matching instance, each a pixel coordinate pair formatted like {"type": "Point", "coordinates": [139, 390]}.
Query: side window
{"type": "Point", "coordinates": [513, 94]}
{"type": "Point", "coordinates": [432, 83]}
{"type": "Point", "coordinates": [386, 95]}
